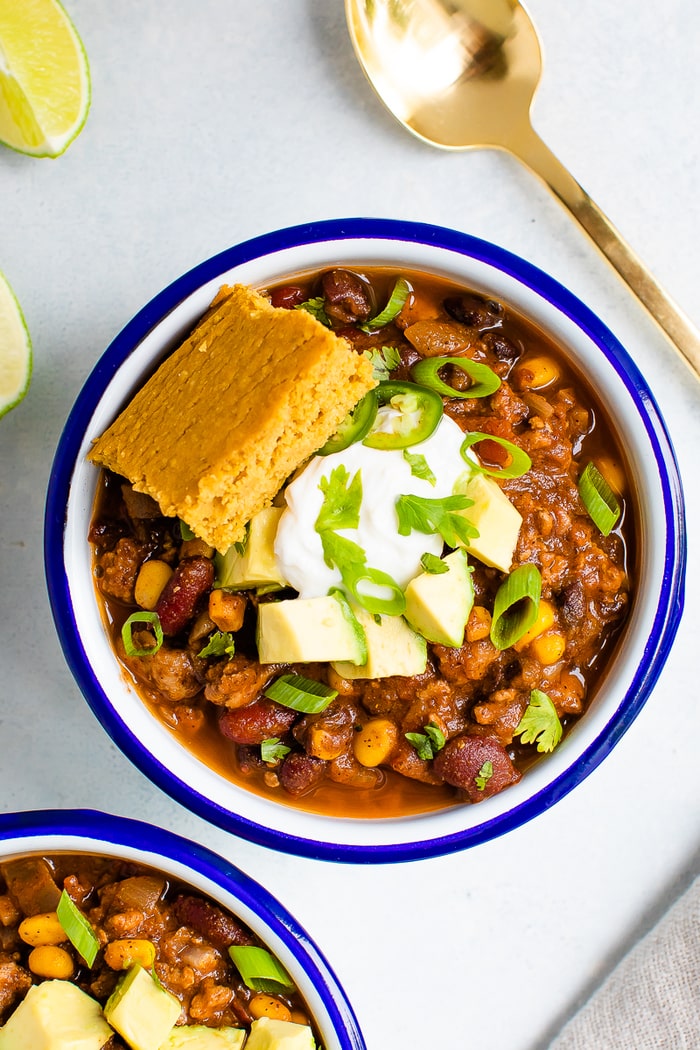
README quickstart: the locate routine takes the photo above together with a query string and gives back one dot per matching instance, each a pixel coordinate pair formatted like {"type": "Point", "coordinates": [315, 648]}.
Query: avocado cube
{"type": "Point", "coordinates": [199, 1037]}
{"type": "Point", "coordinates": [141, 1010]}
{"type": "Point", "coordinates": [257, 565]}
{"type": "Point", "coordinates": [306, 630]}
{"type": "Point", "coordinates": [438, 604]}
{"type": "Point", "coordinates": [393, 648]}
{"type": "Point", "coordinates": [268, 1034]}
{"type": "Point", "coordinates": [56, 1015]}
{"type": "Point", "coordinates": [495, 517]}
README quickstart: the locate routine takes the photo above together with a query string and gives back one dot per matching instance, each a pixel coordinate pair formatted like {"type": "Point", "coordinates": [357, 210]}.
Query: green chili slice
{"type": "Point", "coordinates": [519, 464]}
{"type": "Point", "coordinates": [77, 928]}
{"type": "Point", "coordinates": [516, 606]}
{"type": "Point", "coordinates": [392, 309]}
{"type": "Point", "coordinates": [152, 620]}
{"type": "Point", "coordinates": [356, 425]}
{"type": "Point", "coordinates": [598, 499]}
{"type": "Point", "coordinates": [300, 694]}
{"type": "Point", "coordinates": [420, 411]}
{"type": "Point", "coordinates": [484, 379]}
{"type": "Point", "coordinates": [259, 969]}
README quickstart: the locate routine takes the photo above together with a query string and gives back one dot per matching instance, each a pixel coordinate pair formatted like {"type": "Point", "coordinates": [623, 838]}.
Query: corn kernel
{"type": "Point", "coordinates": [120, 955]}
{"type": "Point", "coordinates": [548, 648]}
{"type": "Point", "coordinates": [375, 742]}
{"type": "Point", "coordinates": [42, 929]}
{"type": "Point", "coordinates": [268, 1006]}
{"type": "Point", "coordinates": [51, 962]}
{"type": "Point", "coordinates": [612, 471]}
{"type": "Point", "coordinates": [545, 620]}
{"type": "Point", "coordinates": [536, 372]}
{"type": "Point", "coordinates": [152, 578]}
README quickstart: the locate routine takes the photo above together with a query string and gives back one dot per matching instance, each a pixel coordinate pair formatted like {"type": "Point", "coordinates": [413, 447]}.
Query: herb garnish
{"type": "Point", "coordinates": [436, 516]}
{"type": "Point", "coordinates": [484, 775]}
{"type": "Point", "coordinates": [429, 742]}
{"type": "Point", "coordinates": [273, 750]}
{"type": "Point", "coordinates": [317, 308]}
{"type": "Point", "coordinates": [419, 466]}
{"type": "Point", "coordinates": [540, 723]}
{"type": "Point", "coordinates": [221, 643]}
{"type": "Point", "coordinates": [383, 361]}
{"type": "Point", "coordinates": [433, 565]}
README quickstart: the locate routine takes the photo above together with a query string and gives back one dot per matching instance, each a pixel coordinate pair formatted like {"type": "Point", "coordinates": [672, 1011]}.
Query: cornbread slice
{"type": "Point", "coordinates": [233, 412]}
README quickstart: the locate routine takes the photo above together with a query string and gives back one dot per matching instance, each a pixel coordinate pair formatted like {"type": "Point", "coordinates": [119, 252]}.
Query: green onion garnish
{"type": "Point", "coordinates": [300, 694]}
{"type": "Point", "coordinates": [394, 605]}
{"type": "Point", "coordinates": [484, 379]}
{"type": "Point", "coordinates": [520, 462]}
{"type": "Point", "coordinates": [392, 309]}
{"type": "Point", "coordinates": [259, 969]}
{"type": "Point", "coordinates": [516, 606]}
{"type": "Point", "coordinates": [78, 930]}
{"type": "Point", "coordinates": [143, 617]}
{"type": "Point", "coordinates": [598, 499]}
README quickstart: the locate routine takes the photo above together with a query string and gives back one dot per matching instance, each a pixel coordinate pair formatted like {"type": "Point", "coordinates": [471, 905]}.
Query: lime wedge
{"type": "Point", "coordinates": [44, 78]}
{"type": "Point", "coordinates": [15, 350]}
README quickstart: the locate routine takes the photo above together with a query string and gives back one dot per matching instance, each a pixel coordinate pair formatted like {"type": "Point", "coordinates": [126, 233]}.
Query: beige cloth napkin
{"type": "Point", "coordinates": [651, 1001]}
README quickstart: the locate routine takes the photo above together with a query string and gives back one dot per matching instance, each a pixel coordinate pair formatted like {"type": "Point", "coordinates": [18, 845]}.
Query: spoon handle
{"type": "Point", "coordinates": [677, 326]}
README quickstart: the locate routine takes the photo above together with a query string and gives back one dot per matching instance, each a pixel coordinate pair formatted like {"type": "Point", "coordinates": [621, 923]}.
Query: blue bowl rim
{"type": "Point", "coordinates": [668, 613]}
{"type": "Point", "coordinates": [135, 834]}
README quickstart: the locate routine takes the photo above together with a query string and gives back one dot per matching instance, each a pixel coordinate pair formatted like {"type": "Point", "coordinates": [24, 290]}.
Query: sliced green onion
{"type": "Point", "coordinates": [598, 499]}
{"type": "Point", "coordinates": [484, 379]}
{"type": "Point", "coordinates": [259, 969]}
{"type": "Point", "coordinates": [392, 309]}
{"type": "Point", "coordinates": [516, 606]}
{"type": "Point", "coordinates": [300, 694]}
{"type": "Point", "coordinates": [78, 930]}
{"type": "Point", "coordinates": [151, 619]}
{"type": "Point", "coordinates": [520, 461]}
{"type": "Point", "coordinates": [374, 603]}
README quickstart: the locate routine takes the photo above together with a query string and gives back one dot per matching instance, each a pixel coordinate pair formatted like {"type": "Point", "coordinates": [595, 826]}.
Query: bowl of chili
{"type": "Point", "coordinates": [568, 623]}
{"type": "Point", "coordinates": [97, 902]}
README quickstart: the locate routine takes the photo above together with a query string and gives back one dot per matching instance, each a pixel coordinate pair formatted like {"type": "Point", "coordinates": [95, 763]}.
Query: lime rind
{"type": "Point", "coordinates": [16, 358]}
{"type": "Point", "coordinates": [20, 129]}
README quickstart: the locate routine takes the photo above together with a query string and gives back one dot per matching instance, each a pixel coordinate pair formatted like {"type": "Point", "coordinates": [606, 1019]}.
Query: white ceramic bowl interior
{"type": "Point", "coordinates": [661, 538]}
{"type": "Point", "coordinates": [80, 831]}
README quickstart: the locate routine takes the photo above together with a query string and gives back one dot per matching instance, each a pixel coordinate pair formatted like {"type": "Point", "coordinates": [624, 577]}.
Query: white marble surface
{"type": "Point", "coordinates": [216, 121]}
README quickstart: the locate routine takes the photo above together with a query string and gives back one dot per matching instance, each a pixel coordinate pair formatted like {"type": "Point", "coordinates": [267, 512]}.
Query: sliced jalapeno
{"type": "Point", "coordinates": [354, 427]}
{"type": "Point", "coordinates": [418, 412]}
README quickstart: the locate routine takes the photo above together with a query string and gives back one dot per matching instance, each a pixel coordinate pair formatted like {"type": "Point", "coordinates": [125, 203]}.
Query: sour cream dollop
{"type": "Point", "coordinates": [386, 475]}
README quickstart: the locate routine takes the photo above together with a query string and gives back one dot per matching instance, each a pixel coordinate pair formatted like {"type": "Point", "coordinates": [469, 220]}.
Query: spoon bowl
{"type": "Point", "coordinates": [462, 74]}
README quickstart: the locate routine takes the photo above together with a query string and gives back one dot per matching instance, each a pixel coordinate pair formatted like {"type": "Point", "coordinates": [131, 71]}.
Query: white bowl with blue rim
{"type": "Point", "coordinates": [47, 832]}
{"type": "Point", "coordinates": [658, 593]}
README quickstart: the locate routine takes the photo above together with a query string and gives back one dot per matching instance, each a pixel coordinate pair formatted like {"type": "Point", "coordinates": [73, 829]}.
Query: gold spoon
{"type": "Point", "coordinates": [462, 74]}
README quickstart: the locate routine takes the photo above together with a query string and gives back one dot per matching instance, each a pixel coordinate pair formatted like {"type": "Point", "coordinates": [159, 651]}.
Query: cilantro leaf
{"type": "Point", "coordinates": [347, 556]}
{"type": "Point", "coordinates": [433, 565]}
{"type": "Point", "coordinates": [341, 500]}
{"type": "Point", "coordinates": [221, 643]}
{"type": "Point", "coordinates": [383, 361]}
{"type": "Point", "coordinates": [540, 723]}
{"type": "Point", "coordinates": [273, 750]}
{"type": "Point", "coordinates": [419, 466]}
{"type": "Point", "coordinates": [317, 308]}
{"type": "Point", "coordinates": [484, 775]}
{"type": "Point", "coordinates": [427, 743]}
{"type": "Point", "coordinates": [436, 516]}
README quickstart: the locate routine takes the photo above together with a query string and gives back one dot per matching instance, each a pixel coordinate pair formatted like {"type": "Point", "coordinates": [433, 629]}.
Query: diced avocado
{"type": "Point", "coordinates": [393, 648]}
{"type": "Point", "coordinates": [269, 1034]}
{"type": "Point", "coordinates": [438, 605]}
{"type": "Point", "coordinates": [495, 517]}
{"type": "Point", "coordinates": [141, 1010]}
{"type": "Point", "coordinates": [56, 1015]}
{"type": "Point", "coordinates": [304, 630]}
{"type": "Point", "coordinates": [256, 566]}
{"type": "Point", "coordinates": [199, 1037]}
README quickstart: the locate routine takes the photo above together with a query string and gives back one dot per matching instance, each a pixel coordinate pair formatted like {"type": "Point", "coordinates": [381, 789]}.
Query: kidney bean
{"type": "Point", "coordinates": [462, 762]}
{"type": "Point", "coordinates": [288, 296]}
{"type": "Point", "coordinates": [500, 345]}
{"type": "Point", "coordinates": [256, 722]}
{"type": "Point", "coordinates": [347, 297]}
{"type": "Point", "coordinates": [300, 773]}
{"type": "Point", "coordinates": [178, 603]}
{"type": "Point", "coordinates": [220, 929]}
{"type": "Point", "coordinates": [474, 310]}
